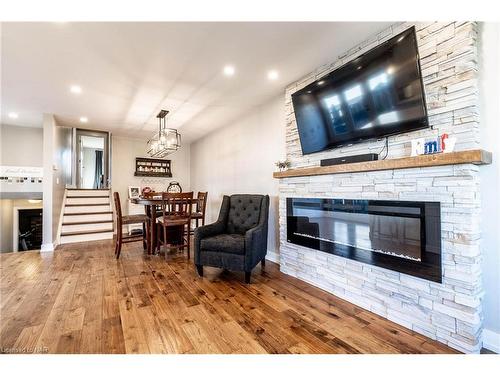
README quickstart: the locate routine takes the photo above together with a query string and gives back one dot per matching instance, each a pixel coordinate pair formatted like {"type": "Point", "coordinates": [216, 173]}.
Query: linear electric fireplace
{"type": "Point", "coordinates": [397, 235]}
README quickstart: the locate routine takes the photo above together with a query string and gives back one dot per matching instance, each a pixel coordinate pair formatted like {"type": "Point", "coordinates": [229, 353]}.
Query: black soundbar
{"type": "Point", "coordinates": [349, 159]}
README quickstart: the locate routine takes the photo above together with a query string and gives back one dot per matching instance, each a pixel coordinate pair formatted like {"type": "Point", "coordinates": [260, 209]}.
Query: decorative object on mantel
{"type": "Point", "coordinates": [145, 167]}
{"type": "Point", "coordinates": [174, 187]}
{"type": "Point", "coordinates": [166, 141]}
{"type": "Point", "coordinates": [477, 157]}
{"type": "Point", "coordinates": [283, 165]}
{"type": "Point", "coordinates": [442, 143]}
{"type": "Point", "coordinates": [146, 190]}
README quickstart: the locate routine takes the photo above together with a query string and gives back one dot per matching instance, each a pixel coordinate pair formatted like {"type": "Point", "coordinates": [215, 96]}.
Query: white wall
{"type": "Point", "coordinates": [6, 225]}
{"type": "Point", "coordinates": [490, 180]}
{"type": "Point", "coordinates": [125, 150]}
{"type": "Point", "coordinates": [62, 173]}
{"type": "Point", "coordinates": [21, 146]}
{"type": "Point", "coordinates": [56, 169]}
{"type": "Point", "coordinates": [49, 124]}
{"type": "Point", "coordinates": [239, 158]}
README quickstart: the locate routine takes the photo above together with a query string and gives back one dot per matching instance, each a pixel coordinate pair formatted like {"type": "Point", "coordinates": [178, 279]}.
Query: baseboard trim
{"type": "Point", "coordinates": [273, 257]}
{"type": "Point", "coordinates": [47, 247]}
{"type": "Point", "coordinates": [491, 340]}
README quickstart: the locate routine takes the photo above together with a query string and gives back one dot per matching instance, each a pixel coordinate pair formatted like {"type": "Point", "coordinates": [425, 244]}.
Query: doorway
{"type": "Point", "coordinates": [29, 229]}
{"type": "Point", "coordinates": [92, 159]}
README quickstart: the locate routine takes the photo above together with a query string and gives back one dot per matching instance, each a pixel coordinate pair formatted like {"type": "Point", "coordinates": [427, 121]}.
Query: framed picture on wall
{"type": "Point", "coordinates": [134, 191]}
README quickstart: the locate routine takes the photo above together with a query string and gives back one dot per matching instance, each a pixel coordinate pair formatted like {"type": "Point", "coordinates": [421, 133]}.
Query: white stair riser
{"type": "Point", "coordinates": [86, 237]}
{"type": "Point", "coordinates": [90, 193]}
{"type": "Point", "coordinates": [86, 227]}
{"type": "Point", "coordinates": [78, 209]}
{"type": "Point", "coordinates": [89, 200]}
{"type": "Point", "coordinates": [87, 218]}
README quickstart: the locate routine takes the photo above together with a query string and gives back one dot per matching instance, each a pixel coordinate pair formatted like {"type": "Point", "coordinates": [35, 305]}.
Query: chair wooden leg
{"type": "Point", "coordinates": [148, 238]}
{"type": "Point", "coordinates": [164, 229]}
{"type": "Point", "coordinates": [116, 244]}
{"type": "Point", "coordinates": [247, 277]}
{"type": "Point", "coordinates": [263, 263]}
{"type": "Point", "coordinates": [144, 241]}
{"type": "Point", "coordinates": [154, 229]}
{"type": "Point", "coordinates": [155, 237]}
{"type": "Point", "coordinates": [119, 243]}
{"type": "Point", "coordinates": [199, 269]}
{"type": "Point", "coordinates": [189, 243]}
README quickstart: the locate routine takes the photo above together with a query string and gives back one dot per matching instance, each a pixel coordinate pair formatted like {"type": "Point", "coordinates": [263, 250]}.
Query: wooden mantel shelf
{"type": "Point", "coordinates": [478, 157]}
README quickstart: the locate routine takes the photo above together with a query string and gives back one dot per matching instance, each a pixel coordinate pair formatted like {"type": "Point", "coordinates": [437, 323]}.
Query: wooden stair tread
{"type": "Point", "coordinates": [89, 213]}
{"type": "Point", "coordinates": [86, 204]}
{"type": "Point", "coordinates": [87, 232]}
{"type": "Point", "coordinates": [87, 196]}
{"type": "Point", "coordinates": [89, 222]}
{"type": "Point", "coordinates": [87, 189]}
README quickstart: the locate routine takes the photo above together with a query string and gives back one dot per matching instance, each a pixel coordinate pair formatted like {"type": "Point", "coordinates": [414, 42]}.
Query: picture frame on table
{"type": "Point", "coordinates": [134, 191]}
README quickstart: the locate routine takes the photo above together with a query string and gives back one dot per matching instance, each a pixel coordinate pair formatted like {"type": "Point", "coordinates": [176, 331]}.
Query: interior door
{"type": "Point", "coordinates": [92, 151]}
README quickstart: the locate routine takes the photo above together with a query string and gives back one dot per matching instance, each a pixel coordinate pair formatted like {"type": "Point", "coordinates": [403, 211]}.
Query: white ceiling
{"type": "Point", "coordinates": [129, 71]}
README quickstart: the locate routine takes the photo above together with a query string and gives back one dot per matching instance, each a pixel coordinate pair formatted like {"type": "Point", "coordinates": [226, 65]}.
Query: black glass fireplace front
{"type": "Point", "coordinates": [397, 235]}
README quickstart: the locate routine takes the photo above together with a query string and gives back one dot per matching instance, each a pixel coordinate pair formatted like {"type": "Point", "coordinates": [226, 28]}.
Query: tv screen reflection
{"type": "Point", "coordinates": [377, 94]}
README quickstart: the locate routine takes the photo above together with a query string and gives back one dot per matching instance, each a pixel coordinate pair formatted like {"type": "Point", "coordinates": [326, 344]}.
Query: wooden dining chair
{"type": "Point", "coordinates": [177, 209]}
{"type": "Point", "coordinates": [199, 213]}
{"type": "Point", "coordinates": [125, 220]}
{"type": "Point", "coordinates": [155, 195]}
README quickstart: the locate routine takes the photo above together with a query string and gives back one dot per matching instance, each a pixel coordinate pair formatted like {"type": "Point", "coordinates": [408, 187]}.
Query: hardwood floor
{"type": "Point", "coordinates": [81, 300]}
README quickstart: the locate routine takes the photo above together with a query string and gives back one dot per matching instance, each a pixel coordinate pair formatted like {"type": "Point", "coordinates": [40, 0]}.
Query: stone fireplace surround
{"type": "Point", "coordinates": [449, 312]}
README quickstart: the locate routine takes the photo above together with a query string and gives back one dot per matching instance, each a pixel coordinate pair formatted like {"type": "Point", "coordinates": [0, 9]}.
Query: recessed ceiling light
{"type": "Point", "coordinates": [321, 82]}
{"type": "Point", "coordinates": [84, 119]}
{"type": "Point", "coordinates": [75, 89]}
{"type": "Point", "coordinates": [13, 115]}
{"type": "Point", "coordinates": [229, 70]}
{"type": "Point", "coordinates": [272, 75]}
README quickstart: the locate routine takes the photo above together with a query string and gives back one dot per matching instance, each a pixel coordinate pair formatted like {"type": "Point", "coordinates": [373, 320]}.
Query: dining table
{"type": "Point", "coordinates": [151, 209]}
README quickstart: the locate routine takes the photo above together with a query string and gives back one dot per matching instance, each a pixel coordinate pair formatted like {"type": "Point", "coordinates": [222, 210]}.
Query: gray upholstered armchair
{"type": "Point", "coordinates": [237, 241]}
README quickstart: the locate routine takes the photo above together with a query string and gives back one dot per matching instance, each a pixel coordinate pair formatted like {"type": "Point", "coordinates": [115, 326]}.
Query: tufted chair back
{"type": "Point", "coordinates": [244, 212]}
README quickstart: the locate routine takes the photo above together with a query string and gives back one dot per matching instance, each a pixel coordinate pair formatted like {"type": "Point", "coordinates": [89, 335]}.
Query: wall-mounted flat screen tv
{"type": "Point", "coordinates": [375, 95]}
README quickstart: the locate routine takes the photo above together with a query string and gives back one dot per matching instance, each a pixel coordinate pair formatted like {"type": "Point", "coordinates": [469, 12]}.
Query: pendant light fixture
{"type": "Point", "coordinates": [165, 141]}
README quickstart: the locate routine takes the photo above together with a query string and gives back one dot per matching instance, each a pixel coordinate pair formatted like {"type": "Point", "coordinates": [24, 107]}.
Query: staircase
{"type": "Point", "coordinates": [87, 216]}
